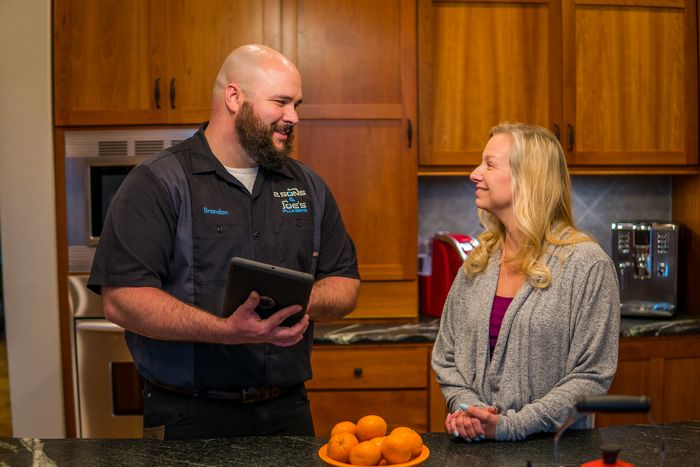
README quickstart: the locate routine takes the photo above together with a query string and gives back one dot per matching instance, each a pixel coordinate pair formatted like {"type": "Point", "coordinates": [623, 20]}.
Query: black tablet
{"type": "Point", "coordinates": [278, 288]}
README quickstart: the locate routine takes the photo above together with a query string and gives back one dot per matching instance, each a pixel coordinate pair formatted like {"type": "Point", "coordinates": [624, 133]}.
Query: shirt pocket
{"type": "Point", "coordinates": [214, 244]}
{"type": "Point", "coordinates": [294, 241]}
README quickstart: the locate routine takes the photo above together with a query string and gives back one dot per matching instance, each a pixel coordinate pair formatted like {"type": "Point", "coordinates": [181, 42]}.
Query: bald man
{"type": "Point", "coordinates": [172, 228]}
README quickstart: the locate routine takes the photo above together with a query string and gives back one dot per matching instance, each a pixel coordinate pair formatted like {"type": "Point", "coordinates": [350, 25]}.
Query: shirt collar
{"type": "Point", "coordinates": [204, 160]}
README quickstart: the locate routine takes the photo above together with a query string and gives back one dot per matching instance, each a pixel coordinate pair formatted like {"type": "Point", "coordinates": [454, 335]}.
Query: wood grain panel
{"type": "Point", "coordinates": [633, 378]}
{"type": "Point", "coordinates": [686, 211]}
{"type": "Point", "coordinates": [369, 368]}
{"type": "Point", "coordinates": [106, 59]}
{"type": "Point", "coordinates": [681, 388]}
{"type": "Point", "coordinates": [629, 85]}
{"type": "Point", "coordinates": [387, 299]}
{"type": "Point", "coordinates": [490, 63]}
{"type": "Point", "coordinates": [398, 408]}
{"type": "Point", "coordinates": [364, 164]}
{"type": "Point", "coordinates": [359, 61]}
{"type": "Point", "coordinates": [194, 58]}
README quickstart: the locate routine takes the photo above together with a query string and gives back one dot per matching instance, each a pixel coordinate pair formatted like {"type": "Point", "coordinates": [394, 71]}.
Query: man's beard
{"type": "Point", "coordinates": [256, 138]}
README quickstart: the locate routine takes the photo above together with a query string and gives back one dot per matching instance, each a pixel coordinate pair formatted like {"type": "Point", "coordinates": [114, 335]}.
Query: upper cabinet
{"type": "Point", "coordinates": [358, 64]}
{"type": "Point", "coordinates": [615, 80]}
{"type": "Point", "coordinates": [630, 82]}
{"type": "Point", "coordinates": [148, 61]}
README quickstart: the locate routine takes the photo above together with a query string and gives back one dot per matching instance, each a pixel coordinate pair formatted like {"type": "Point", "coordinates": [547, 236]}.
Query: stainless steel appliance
{"type": "Point", "coordinates": [646, 258]}
{"type": "Point", "coordinates": [108, 388]}
{"type": "Point", "coordinates": [96, 164]}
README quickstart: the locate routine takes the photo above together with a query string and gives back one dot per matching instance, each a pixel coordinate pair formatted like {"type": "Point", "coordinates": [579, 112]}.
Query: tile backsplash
{"type": "Point", "coordinates": [447, 204]}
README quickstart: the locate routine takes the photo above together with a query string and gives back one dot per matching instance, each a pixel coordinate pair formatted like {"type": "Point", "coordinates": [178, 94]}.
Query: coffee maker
{"type": "Point", "coordinates": [646, 258]}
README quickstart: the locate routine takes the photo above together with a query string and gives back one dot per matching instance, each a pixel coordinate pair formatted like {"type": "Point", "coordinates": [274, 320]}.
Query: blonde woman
{"type": "Point", "coordinates": [532, 320]}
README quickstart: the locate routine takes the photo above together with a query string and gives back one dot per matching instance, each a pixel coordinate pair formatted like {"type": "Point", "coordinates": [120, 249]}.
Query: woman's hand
{"type": "Point", "coordinates": [472, 423]}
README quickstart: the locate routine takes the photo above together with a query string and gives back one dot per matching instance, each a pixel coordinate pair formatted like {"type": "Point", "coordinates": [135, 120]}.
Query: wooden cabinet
{"type": "Point", "coordinates": [667, 369]}
{"type": "Point", "coordinates": [352, 381]}
{"type": "Point", "coordinates": [615, 79]}
{"type": "Point", "coordinates": [358, 65]}
{"type": "Point", "coordinates": [148, 61]}
{"type": "Point", "coordinates": [155, 61]}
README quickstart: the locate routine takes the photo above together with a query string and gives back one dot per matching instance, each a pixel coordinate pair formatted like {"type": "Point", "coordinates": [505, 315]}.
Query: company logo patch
{"type": "Point", "coordinates": [290, 204]}
{"type": "Point", "coordinates": [216, 212]}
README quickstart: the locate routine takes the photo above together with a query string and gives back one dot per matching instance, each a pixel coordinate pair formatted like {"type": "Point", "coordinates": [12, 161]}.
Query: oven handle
{"type": "Point", "coordinates": [99, 325]}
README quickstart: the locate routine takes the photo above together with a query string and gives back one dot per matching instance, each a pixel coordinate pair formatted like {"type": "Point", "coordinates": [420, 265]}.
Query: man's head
{"type": "Point", "coordinates": [256, 93]}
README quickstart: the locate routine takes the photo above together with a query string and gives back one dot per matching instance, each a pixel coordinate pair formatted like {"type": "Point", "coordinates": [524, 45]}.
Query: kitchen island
{"type": "Point", "coordinates": [640, 444]}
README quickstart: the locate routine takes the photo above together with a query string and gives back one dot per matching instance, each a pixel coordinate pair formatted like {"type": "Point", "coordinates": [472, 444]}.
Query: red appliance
{"type": "Point", "coordinates": [448, 252]}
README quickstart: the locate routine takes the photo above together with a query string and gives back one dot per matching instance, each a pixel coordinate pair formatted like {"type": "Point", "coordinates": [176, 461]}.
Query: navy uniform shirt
{"type": "Point", "coordinates": [176, 222]}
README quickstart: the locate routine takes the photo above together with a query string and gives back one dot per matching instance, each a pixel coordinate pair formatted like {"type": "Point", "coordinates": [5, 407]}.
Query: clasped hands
{"type": "Point", "coordinates": [472, 423]}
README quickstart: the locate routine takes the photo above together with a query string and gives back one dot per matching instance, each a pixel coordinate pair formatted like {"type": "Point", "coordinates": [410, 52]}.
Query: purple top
{"type": "Point", "coordinates": [498, 310]}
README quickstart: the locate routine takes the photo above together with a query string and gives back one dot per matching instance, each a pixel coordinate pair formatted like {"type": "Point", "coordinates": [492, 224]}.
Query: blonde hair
{"type": "Point", "coordinates": [541, 205]}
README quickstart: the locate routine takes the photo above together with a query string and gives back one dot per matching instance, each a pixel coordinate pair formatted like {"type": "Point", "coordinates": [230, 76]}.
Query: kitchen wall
{"type": "Point", "coordinates": [28, 220]}
{"type": "Point", "coordinates": [447, 203]}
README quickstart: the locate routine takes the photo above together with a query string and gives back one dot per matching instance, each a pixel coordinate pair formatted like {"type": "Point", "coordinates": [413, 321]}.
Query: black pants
{"type": "Point", "coordinates": [170, 415]}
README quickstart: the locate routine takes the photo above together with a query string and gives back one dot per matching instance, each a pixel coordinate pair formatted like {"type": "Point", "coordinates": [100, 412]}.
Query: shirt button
{"type": "Point", "coordinates": [257, 234]}
{"type": "Point", "coordinates": [298, 222]}
{"type": "Point", "coordinates": [219, 229]}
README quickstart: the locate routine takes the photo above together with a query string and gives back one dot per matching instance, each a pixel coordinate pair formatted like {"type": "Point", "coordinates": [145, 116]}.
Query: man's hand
{"type": "Point", "coordinates": [473, 423]}
{"type": "Point", "coordinates": [245, 326]}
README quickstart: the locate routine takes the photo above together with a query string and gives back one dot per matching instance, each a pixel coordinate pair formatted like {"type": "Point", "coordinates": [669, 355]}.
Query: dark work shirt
{"type": "Point", "coordinates": [176, 222]}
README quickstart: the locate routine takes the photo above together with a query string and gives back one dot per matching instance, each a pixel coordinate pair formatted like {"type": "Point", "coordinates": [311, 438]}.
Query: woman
{"type": "Point", "coordinates": [531, 322]}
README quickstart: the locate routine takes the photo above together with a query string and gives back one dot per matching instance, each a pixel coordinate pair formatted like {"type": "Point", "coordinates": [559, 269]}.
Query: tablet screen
{"type": "Point", "coordinates": [278, 288]}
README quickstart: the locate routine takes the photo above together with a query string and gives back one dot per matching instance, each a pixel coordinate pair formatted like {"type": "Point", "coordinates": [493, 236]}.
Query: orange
{"type": "Point", "coordinates": [343, 427]}
{"type": "Point", "coordinates": [340, 445]}
{"type": "Point", "coordinates": [377, 440]}
{"type": "Point", "coordinates": [396, 449]}
{"type": "Point", "coordinates": [414, 439]}
{"type": "Point", "coordinates": [370, 426]}
{"type": "Point", "coordinates": [366, 453]}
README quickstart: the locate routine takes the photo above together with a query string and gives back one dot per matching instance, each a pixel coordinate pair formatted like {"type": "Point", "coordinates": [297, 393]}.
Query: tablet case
{"type": "Point", "coordinates": [278, 288]}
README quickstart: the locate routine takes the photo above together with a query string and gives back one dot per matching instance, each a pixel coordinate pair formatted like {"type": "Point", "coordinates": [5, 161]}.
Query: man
{"type": "Point", "coordinates": [161, 265]}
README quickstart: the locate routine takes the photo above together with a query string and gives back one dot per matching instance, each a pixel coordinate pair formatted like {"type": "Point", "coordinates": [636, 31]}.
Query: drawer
{"type": "Point", "coordinates": [369, 367]}
{"type": "Point", "coordinates": [408, 407]}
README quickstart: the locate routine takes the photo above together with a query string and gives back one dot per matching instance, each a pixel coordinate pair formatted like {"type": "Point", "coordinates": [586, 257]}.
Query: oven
{"type": "Point", "coordinates": [108, 388]}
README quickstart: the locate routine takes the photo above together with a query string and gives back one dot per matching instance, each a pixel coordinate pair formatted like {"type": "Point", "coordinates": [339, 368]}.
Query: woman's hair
{"type": "Point", "coordinates": [541, 204]}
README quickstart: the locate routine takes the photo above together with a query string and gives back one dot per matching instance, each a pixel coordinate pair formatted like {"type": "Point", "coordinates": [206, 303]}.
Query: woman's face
{"type": "Point", "coordinates": [492, 178]}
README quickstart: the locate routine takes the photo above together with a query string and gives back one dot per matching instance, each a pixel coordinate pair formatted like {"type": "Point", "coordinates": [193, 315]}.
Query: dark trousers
{"type": "Point", "coordinates": [171, 415]}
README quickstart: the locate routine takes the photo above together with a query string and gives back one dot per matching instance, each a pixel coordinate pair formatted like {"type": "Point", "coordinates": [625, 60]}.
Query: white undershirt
{"type": "Point", "coordinates": [245, 176]}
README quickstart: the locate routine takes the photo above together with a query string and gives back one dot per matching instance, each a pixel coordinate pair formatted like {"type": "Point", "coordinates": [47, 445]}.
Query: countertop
{"type": "Point", "coordinates": [425, 330]}
{"type": "Point", "coordinates": [640, 445]}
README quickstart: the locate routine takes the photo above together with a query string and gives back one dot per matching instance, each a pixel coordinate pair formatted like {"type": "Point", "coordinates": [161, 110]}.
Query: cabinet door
{"type": "Point", "coordinates": [483, 63]}
{"type": "Point", "coordinates": [108, 59]}
{"type": "Point", "coordinates": [358, 66]}
{"type": "Point", "coordinates": [201, 33]}
{"type": "Point", "coordinates": [630, 74]}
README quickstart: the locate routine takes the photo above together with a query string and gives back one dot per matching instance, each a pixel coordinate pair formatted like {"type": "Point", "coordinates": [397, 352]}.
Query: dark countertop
{"type": "Point", "coordinates": [640, 446]}
{"type": "Point", "coordinates": [426, 329]}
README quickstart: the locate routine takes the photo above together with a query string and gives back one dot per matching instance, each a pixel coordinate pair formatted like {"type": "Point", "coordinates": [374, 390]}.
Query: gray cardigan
{"type": "Point", "coordinates": [555, 345]}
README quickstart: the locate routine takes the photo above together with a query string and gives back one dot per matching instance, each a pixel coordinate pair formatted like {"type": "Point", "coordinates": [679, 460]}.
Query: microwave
{"type": "Point", "coordinates": [96, 164]}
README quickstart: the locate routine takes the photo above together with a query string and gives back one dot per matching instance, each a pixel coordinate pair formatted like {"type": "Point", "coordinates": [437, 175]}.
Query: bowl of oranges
{"type": "Point", "coordinates": [368, 442]}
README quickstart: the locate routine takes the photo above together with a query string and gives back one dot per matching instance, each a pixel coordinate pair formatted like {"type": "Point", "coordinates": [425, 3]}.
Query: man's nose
{"type": "Point", "coordinates": [290, 115]}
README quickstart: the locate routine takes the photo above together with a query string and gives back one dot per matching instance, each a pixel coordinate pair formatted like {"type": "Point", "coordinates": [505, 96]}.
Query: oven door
{"type": "Point", "coordinates": [110, 390]}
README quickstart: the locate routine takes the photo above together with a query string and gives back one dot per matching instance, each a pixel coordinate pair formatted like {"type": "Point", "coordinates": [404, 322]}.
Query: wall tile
{"type": "Point", "coordinates": [447, 204]}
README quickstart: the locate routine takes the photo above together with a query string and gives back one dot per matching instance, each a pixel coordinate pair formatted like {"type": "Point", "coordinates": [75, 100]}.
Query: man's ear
{"type": "Point", "coordinates": [233, 97]}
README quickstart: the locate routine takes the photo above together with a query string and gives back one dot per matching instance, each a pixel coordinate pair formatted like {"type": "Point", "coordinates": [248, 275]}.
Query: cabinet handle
{"type": "Point", "coordinates": [157, 93]}
{"type": "Point", "coordinates": [410, 133]}
{"type": "Point", "coordinates": [570, 145]}
{"type": "Point", "coordinates": [172, 93]}
{"type": "Point", "coordinates": [557, 132]}
{"type": "Point", "coordinates": [357, 372]}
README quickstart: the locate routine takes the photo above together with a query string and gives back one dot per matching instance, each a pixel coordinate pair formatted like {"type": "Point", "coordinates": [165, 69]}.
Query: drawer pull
{"type": "Point", "coordinates": [357, 372]}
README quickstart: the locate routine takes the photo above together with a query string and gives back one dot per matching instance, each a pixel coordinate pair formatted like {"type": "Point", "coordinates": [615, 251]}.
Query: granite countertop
{"type": "Point", "coordinates": [640, 445]}
{"type": "Point", "coordinates": [425, 330]}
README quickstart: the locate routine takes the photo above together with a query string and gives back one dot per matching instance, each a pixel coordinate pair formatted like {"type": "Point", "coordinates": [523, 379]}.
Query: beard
{"type": "Point", "coordinates": [256, 138]}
